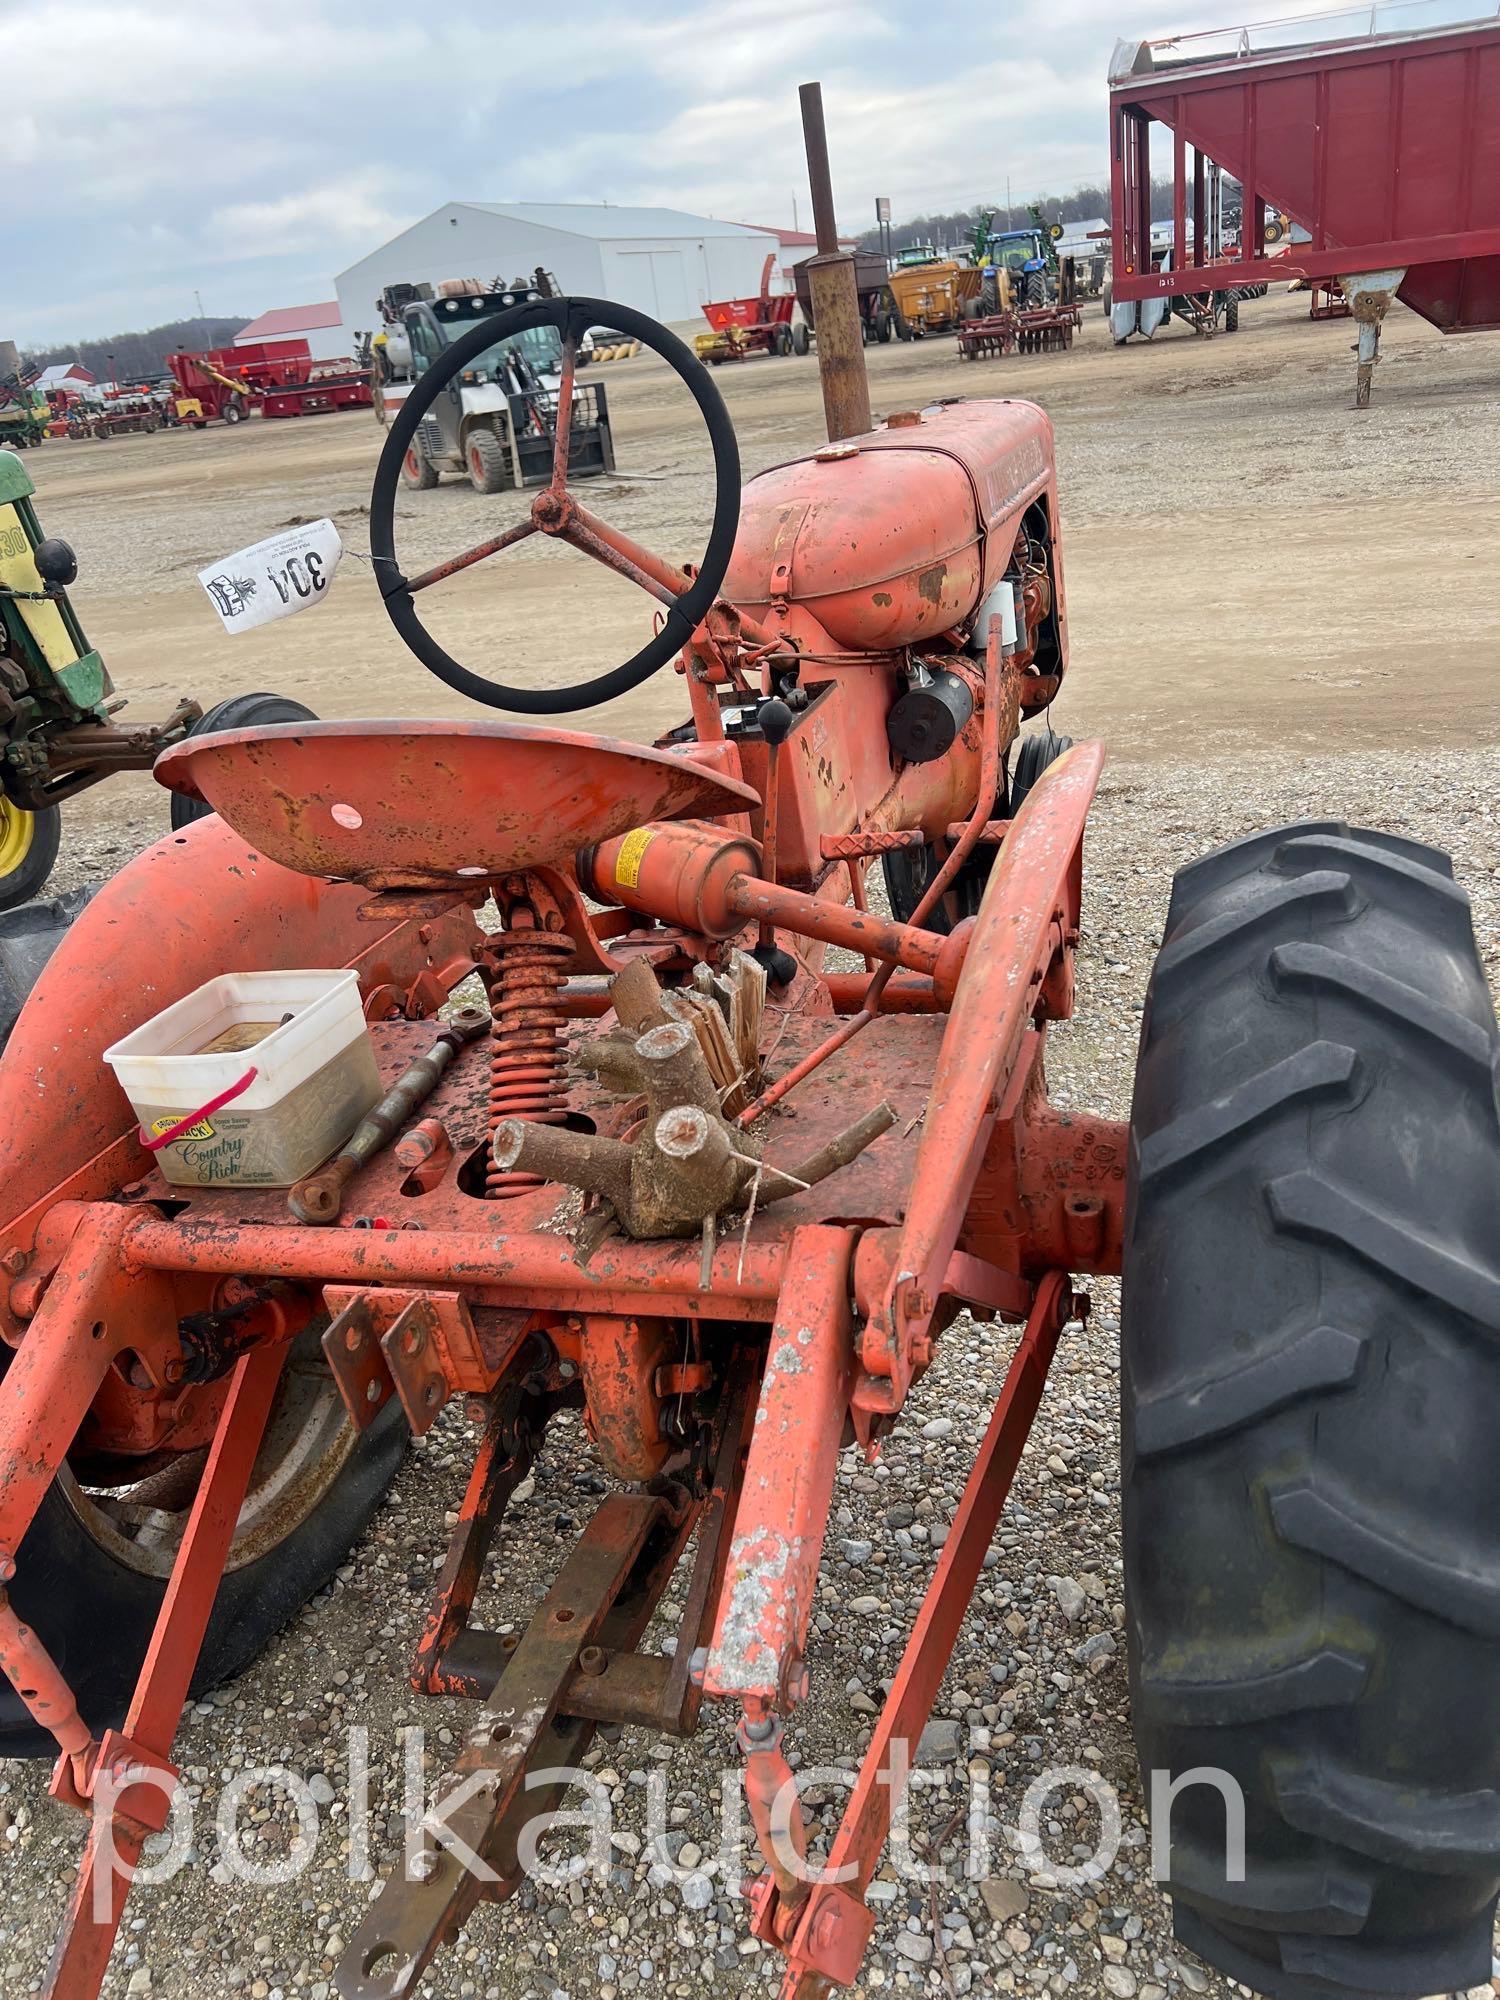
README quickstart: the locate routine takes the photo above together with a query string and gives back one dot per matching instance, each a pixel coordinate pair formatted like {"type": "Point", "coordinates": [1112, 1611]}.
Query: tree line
{"type": "Point", "coordinates": [138, 357]}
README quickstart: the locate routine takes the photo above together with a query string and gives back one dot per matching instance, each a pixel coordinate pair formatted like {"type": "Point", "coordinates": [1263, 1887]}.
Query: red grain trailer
{"type": "Point", "coordinates": [1377, 130]}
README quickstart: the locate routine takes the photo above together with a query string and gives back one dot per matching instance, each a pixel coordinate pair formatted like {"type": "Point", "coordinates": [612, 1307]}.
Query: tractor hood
{"type": "Point", "coordinates": [894, 538]}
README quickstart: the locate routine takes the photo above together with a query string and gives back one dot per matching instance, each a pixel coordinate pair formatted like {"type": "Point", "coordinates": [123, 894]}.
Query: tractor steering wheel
{"type": "Point", "coordinates": [687, 596]}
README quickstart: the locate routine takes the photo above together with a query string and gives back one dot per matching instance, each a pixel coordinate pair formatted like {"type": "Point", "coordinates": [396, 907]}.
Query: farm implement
{"type": "Point", "coordinates": [759, 325]}
{"type": "Point", "coordinates": [724, 1200]}
{"type": "Point", "coordinates": [278, 378]}
{"type": "Point", "coordinates": [1038, 330]}
{"type": "Point", "coordinates": [1286, 109]}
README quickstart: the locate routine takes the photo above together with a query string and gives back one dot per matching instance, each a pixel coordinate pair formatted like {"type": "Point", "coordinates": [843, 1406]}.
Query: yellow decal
{"type": "Point", "coordinates": [202, 1130]}
{"type": "Point", "coordinates": [632, 848]}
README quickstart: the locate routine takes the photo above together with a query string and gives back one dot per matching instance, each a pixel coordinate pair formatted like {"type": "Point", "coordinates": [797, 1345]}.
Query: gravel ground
{"type": "Point", "coordinates": [1037, 1680]}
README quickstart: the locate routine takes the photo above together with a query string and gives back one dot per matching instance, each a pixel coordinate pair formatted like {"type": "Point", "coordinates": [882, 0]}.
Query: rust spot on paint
{"type": "Point", "coordinates": [930, 582]}
{"type": "Point", "coordinates": [882, 598]}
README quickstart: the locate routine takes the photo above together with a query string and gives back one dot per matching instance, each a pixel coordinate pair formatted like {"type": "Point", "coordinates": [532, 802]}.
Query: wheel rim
{"type": "Point", "coordinates": [17, 830]}
{"type": "Point", "coordinates": [476, 464]}
{"type": "Point", "coordinates": [307, 1443]}
{"type": "Point", "coordinates": [413, 464]}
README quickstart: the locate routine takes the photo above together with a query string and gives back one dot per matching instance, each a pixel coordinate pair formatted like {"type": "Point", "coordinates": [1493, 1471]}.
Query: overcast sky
{"type": "Point", "coordinates": [158, 148]}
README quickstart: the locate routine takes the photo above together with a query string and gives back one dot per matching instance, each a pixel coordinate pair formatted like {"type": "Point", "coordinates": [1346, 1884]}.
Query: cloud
{"type": "Point", "coordinates": [332, 216]}
{"type": "Point", "coordinates": [249, 156]}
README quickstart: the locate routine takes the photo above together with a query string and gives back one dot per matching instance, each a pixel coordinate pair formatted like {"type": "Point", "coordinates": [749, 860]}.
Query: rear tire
{"type": "Point", "coordinates": [418, 473]}
{"type": "Point", "coordinates": [1232, 313]}
{"type": "Point", "coordinates": [801, 337]}
{"type": "Point", "coordinates": [237, 711]}
{"type": "Point", "coordinates": [28, 938]}
{"type": "Point", "coordinates": [94, 1611]}
{"type": "Point", "coordinates": [1036, 290]}
{"type": "Point", "coordinates": [1308, 1384]}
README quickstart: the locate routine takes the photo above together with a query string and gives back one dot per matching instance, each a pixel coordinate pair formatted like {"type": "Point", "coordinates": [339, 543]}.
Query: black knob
{"type": "Point", "coordinates": [55, 561]}
{"type": "Point", "coordinates": [775, 720]}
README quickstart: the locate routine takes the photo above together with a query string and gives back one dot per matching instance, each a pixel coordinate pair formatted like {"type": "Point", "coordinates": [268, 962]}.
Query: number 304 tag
{"type": "Point", "coordinates": [273, 579]}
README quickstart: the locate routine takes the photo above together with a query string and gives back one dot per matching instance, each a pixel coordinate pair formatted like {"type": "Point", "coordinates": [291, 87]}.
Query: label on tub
{"type": "Point", "coordinates": [275, 578]}
{"type": "Point", "coordinates": [202, 1130]}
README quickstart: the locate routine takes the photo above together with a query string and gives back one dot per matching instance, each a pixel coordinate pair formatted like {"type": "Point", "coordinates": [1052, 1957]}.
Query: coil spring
{"type": "Point", "coordinates": [528, 1053]}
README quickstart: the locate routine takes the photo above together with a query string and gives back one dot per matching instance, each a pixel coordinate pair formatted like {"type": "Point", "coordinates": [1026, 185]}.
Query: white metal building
{"type": "Point", "coordinates": [659, 260]}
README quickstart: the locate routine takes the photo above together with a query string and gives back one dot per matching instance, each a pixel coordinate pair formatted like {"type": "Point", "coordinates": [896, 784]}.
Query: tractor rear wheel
{"type": "Point", "coordinates": [28, 849]}
{"type": "Point", "coordinates": [92, 1571]}
{"type": "Point", "coordinates": [1310, 1366]}
{"type": "Point", "coordinates": [1036, 290]}
{"type": "Point", "coordinates": [1232, 313]}
{"type": "Point", "coordinates": [484, 455]}
{"type": "Point", "coordinates": [237, 711]}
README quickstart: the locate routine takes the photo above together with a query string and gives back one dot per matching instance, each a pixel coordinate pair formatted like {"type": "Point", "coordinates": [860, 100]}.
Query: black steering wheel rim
{"type": "Point", "coordinates": [570, 316]}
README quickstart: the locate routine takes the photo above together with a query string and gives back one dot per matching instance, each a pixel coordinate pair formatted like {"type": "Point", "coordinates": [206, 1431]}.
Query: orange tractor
{"type": "Point", "coordinates": [725, 1199]}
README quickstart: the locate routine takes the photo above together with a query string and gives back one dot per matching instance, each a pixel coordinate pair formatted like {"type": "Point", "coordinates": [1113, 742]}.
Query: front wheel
{"type": "Point", "coordinates": [236, 711]}
{"type": "Point", "coordinates": [484, 455]}
{"type": "Point", "coordinates": [1310, 1369]}
{"type": "Point", "coordinates": [28, 849]}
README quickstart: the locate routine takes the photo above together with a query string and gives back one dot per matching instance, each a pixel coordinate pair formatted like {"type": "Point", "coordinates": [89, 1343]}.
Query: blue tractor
{"type": "Point", "coordinates": [1028, 259]}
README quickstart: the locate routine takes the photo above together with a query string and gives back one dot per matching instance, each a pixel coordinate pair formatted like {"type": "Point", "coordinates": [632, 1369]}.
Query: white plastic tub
{"type": "Point", "coordinates": [315, 1077]}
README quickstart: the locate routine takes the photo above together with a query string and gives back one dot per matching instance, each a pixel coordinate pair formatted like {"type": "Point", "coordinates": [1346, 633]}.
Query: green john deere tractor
{"type": "Point", "coordinates": [58, 733]}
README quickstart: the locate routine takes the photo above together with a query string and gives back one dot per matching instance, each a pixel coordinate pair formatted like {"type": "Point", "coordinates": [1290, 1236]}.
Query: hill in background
{"type": "Point", "coordinates": [130, 357]}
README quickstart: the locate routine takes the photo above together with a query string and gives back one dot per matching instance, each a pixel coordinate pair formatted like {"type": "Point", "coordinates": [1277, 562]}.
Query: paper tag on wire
{"type": "Point", "coordinates": [284, 574]}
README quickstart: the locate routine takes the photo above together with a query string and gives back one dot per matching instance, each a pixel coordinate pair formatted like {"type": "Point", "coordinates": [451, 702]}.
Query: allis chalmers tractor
{"type": "Point", "coordinates": [733, 1240]}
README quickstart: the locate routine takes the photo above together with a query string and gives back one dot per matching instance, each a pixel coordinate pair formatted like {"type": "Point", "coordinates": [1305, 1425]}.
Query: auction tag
{"type": "Point", "coordinates": [274, 578]}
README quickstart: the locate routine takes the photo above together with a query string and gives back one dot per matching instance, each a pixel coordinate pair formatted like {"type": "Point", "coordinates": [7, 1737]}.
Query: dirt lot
{"type": "Point", "coordinates": [1253, 571]}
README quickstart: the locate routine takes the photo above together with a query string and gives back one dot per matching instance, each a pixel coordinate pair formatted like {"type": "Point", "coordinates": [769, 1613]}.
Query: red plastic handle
{"type": "Point", "coordinates": [214, 1104]}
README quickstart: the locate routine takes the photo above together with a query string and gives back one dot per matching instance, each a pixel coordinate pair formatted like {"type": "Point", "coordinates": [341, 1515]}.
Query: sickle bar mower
{"type": "Point", "coordinates": [724, 1198]}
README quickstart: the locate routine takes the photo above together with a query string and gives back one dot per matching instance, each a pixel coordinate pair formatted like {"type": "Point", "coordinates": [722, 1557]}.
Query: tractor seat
{"type": "Point", "coordinates": [414, 805]}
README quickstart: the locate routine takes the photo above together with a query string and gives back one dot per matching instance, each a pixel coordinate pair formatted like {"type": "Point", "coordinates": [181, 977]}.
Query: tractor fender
{"type": "Point", "coordinates": [197, 903]}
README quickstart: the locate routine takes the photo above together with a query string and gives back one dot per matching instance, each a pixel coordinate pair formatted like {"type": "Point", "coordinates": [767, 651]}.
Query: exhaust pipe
{"type": "Point", "coordinates": [832, 290]}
